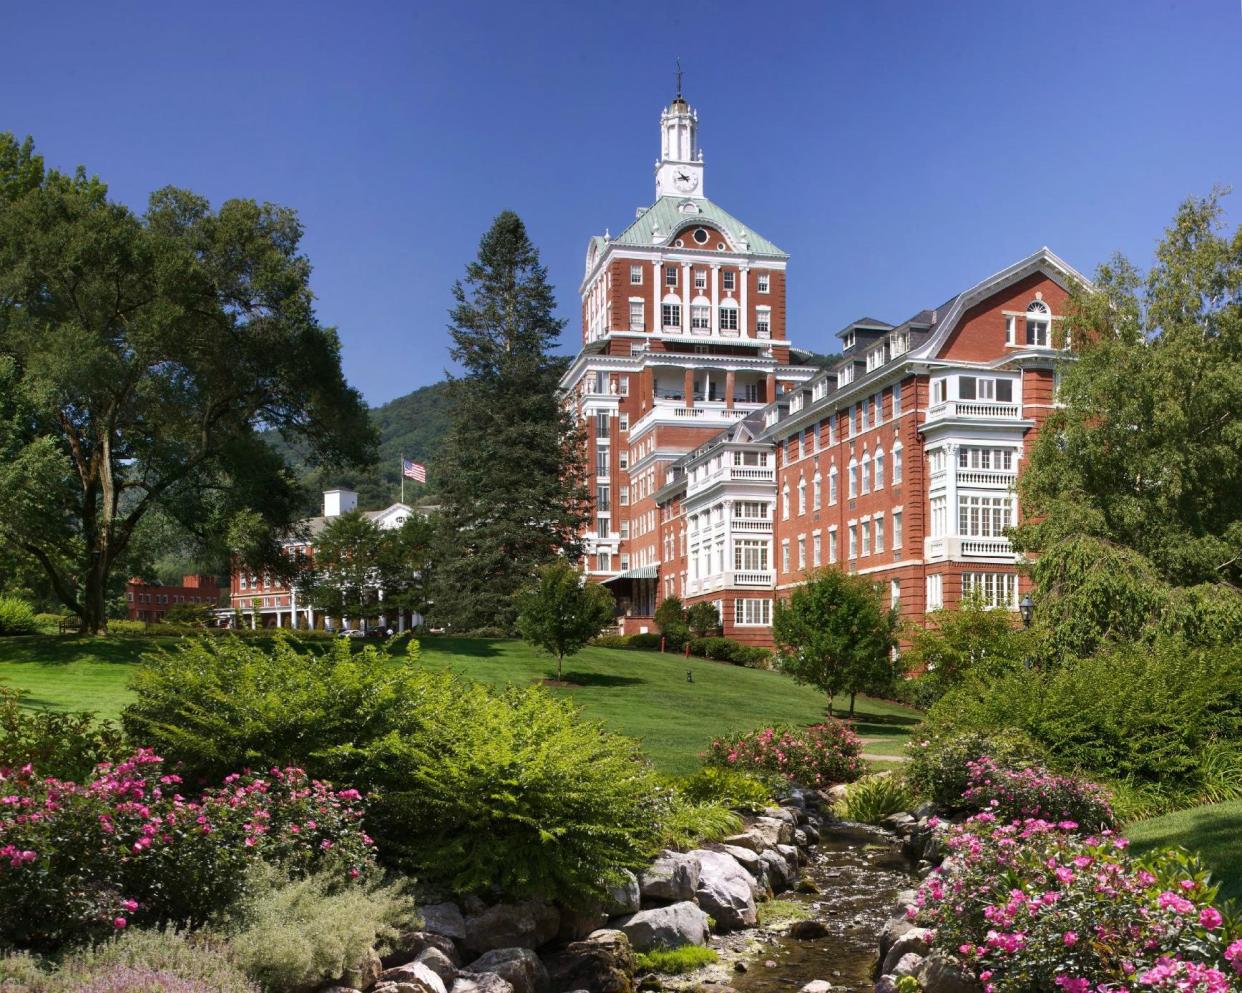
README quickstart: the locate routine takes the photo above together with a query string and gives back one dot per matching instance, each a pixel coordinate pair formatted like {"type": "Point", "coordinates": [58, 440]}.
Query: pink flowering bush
{"type": "Point", "coordinates": [812, 756]}
{"type": "Point", "coordinates": [1034, 792]}
{"type": "Point", "coordinates": [1033, 906]}
{"type": "Point", "coordinates": [79, 861]}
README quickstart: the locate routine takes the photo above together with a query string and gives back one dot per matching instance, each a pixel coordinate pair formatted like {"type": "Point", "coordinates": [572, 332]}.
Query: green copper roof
{"type": "Point", "coordinates": [667, 214]}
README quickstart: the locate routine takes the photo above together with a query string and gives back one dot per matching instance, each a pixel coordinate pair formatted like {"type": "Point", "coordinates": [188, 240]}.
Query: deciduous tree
{"type": "Point", "coordinates": [560, 611]}
{"type": "Point", "coordinates": [146, 353]}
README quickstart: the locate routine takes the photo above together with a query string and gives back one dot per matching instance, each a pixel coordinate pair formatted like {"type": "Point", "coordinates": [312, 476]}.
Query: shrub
{"type": "Point", "coordinates": [146, 961]}
{"type": "Point", "coordinates": [477, 788]}
{"type": "Point", "coordinates": [1031, 907]}
{"type": "Point", "coordinates": [51, 620]}
{"type": "Point", "coordinates": [612, 641]}
{"type": "Point", "coordinates": [1140, 714]}
{"type": "Point", "coordinates": [687, 823]}
{"type": "Point", "coordinates": [63, 745]}
{"type": "Point", "coordinates": [123, 626]}
{"type": "Point", "coordinates": [728, 650]}
{"type": "Point", "coordinates": [297, 933]}
{"type": "Point", "coordinates": [703, 618]}
{"type": "Point", "coordinates": [190, 615]}
{"type": "Point", "coordinates": [730, 787]}
{"type": "Point", "coordinates": [1035, 792]}
{"type": "Point", "coordinates": [645, 642]}
{"type": "Point", "coordinates": [938, 771]}
{"type": "Point", "coordinates": [873, 798]}
{"type": "Point", "coordinates": [124, 847]}
{"type": "Point", "coordinates": [675, 961]}
{"type": "Point", "coordinates": [16, 616]}
{"type": "Point", "coordinates": [813, 756]}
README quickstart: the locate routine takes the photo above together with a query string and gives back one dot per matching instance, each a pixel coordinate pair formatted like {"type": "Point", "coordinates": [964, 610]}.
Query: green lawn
{"type": "Point", "coordinates": [1213, 830]}
{"type": "Point", "coordinates": [644, 694]}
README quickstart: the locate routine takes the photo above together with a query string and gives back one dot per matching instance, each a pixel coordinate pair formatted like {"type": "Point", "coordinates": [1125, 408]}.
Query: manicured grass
{"type": "Point", "coordinates": [1213, 830]}
{"type": "Point", "coordinates": [643, 694]}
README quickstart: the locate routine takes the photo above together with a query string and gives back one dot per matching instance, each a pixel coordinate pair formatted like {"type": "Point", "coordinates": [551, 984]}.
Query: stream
{"type": "Point", "coordinates": [860, 871]}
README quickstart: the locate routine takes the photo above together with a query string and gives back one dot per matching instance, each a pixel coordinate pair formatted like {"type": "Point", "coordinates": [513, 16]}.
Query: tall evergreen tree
{"type": "Point", "coordinates": [511, 474]}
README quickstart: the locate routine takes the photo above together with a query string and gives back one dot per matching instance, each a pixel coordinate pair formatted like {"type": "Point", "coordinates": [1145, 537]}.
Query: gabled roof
{"type": "Point", "coordinates": [668, 217]}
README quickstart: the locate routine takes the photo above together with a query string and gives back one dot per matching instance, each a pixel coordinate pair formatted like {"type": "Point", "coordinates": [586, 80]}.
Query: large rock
{"type": "Point", "coordinates": [603, 963]}
{"type": "Point", "coordinates": [481, 982]}
{"type": "Point", "coordinates": [779, 874]}
{"type": "Point", "coordinates": [519, 967]}
{"type": "Point", "coordinates": [444, 918]}
{"type": "Point", "coordinates": [439, 963]}
{"type": "Point", "coordinates": [751, 839]}
{"type": "Point", "coordinates": [894, 928]}
{"type": "Point", "coordinates": [512, 925]}
{"type": "Point", "coordinates": [672, 877]}
{"type": "Point", "coordinates": [417, 975]}
{"type": "Point", "coordinates": [940, 973]}
{"type": "Point", "coordinates": [623, 898]}
{"type": "Point", "coordinates": [726, 890]}
{"type": "Point", "coordinates": [411, 944]}
{"type": "Point", "coordinates": [671, 927]}
{"type": "Point", "coordinates": [915, 940]}
{"type": "Point", "coordinates": [773, 831]}
{"type": "Point", "coordinates": [808, 929]}
{"type": "Point", "coordinates": [577, 923]}
{"type": "Point", "coordinates": [817, 986]}
{"type": "Point", "coordinates": [908, 965]}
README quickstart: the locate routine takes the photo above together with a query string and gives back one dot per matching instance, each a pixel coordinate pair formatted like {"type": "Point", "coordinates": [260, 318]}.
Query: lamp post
{"type": "Point", "coordinates": [1026, 608]}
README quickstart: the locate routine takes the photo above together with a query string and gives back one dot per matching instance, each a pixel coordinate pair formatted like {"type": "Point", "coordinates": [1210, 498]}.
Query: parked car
{"type": "Point", "coordinates": [351, 633]}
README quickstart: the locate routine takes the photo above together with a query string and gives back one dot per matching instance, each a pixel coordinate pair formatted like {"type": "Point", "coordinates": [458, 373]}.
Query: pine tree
{"type": "Point", "coordinates": [511, 474]}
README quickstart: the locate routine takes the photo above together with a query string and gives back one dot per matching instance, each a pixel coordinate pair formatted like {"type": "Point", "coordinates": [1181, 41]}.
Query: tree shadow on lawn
{"type": "Point", "coordinates": [599, 679]}
{"type": "Point", "coordinates": [475, 648]}
{"type": "Point", "coordinates": [64, 649]}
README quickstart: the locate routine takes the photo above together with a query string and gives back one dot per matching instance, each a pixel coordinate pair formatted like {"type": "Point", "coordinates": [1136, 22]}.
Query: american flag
{"type": "Point", "coordinates": [412, 470]}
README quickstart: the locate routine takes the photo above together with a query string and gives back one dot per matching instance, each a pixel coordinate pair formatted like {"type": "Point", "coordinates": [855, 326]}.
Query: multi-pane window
{"type": "Point", "coordinates": [866, 473]}
{"type": "Point", "coordinates": [762, 282]}
{"type": "Point", "coordinates": [939, 517]}
{"type": "Point", "coordinates": [750, 509]}
{"type": "Point", "coordinates": [623, 496]}
{"type": "Point", "coordinates": [866, 537]}
{"type": "Point", "coordinates": [638, 317]}
{"type": "Point", "coordinates": [862, 410]}
{"type": "Point", "coordinates": [939, 391]}
{"type": "Point", "coordinates": [1037, 318]}
{"type": "Point", "coordinates": [802, 496]}
{"type": "Point", "coordinates": [897, 399]}
{"type": "Point", "coordinates": [999, 459]}
{"type": "Point", "coordinates": [832, 545]}
{"type": "Point", "coordinates": [729, 279]}
{"type": "Point", "coordinates": [603, 561]}
{"type": "Point", "coordinates": [801, 551]}
{"type": "Point", "coordinates": [977, 388]}
{"type": "Point", "coordinates": [879, 535]}
{"type": "Point", "coordinates": [750, 555]}
{"type": "Point", "coordinates": [671, 313]}
{"type": "Point", "coordinates": [623, 385]}
{"type": "Point", "coordinates": [896, 528]}
{"type": "Point", "coordinates": [982, 516]}
{"type": "Point", "coordinates": [853, 483]}
{"type": "Point", "coordinates": [602, 498]}
{"type": "Point", "coordinates": [636, 275]}
{"type": "Point", "coordinates": [624, 424]}
{"type": "Point", "coordinates": [816, 492]}
{"type": "Point", "coordinates": [700, 279]}
{"type": "Point", "coordinates": [832, 486]}
{"type": "Point", "coordinates": [784, 556]}
{"type": "Point", "coordinates": [896, 463]}
{"type": "Point", "coordinates": [670, 275]}
{"type": "Point", "coordinates": [785, 502]}
{"type": "Point", "coordinates": [763, 322]}
{"type": "Point", "coordinates": [853, 541]}
{"type": "Point", "coordinates": [601, 461]}
{"type": "Point", "coordinates": [700, 316]}
{"type": "Point", "coordinates": [602, 525]}
{"type": "Point", "coordinates": [728, 318]}
{"type": "Point", "coordinates": [816, 553]}
{"type": "Point", "coordinates": [935, 592]}
{"type": "Point", "coordinates": [601, 425]}
{"type": "Point", "coordinates": [894, 592]}
{"type": "Point", "coordinates": [752, 613]}
{"type": "Point", "coordinates": [997, 589]}
{"type": "Point", "coordinates": [879, 469]}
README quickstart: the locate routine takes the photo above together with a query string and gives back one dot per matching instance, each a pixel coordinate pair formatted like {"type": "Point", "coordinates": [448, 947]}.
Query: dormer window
{"type": "Point", "coordinates": [845, 375]}
{"type": "Point", "coordinates": [899, 344]}
{"type": "Point", "coordinates": [849, 340]}
{"type": "Point", "coordinates": [1038, 319]}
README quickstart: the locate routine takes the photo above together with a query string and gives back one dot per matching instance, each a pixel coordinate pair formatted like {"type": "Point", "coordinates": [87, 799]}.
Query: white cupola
{"type": "Point", "coordinates": [679, 172]}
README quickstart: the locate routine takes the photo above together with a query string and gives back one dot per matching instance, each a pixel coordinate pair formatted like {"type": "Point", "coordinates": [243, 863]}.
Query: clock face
{"type": "Point", "coordinates": [685, 180]}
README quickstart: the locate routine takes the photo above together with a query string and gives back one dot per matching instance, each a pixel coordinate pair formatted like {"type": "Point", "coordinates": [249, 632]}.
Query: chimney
{"type": "Point", "coordinates": [339, 501]}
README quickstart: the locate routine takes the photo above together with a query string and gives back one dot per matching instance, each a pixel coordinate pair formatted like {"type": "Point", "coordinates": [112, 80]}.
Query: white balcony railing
{"type": "Point", "coordinates": [974, 409]}
{"type": "Point", "coordinates": [751, 525]}
{"type": "Point", "coordinates": [761, 578]}
{"type": "Point", "coordinates": [983, 477]}
{"type": "Point", "coordinates": [956, 548]}
{"type": "Point", "coordinates": [988, 548]}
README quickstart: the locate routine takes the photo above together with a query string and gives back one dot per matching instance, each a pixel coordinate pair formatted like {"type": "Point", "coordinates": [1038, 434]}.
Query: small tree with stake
{"type": "Point", "coordinates": [560, 612]}
{"type": "Point", "coordinates": [835, 633]}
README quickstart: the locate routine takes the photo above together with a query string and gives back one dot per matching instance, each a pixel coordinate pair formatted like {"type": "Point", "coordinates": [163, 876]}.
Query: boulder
{"type": "Point", "coordinates": [576, 924]}
{"type": "Point", "coordinates": [603, 963]}
{"type": "Point", "coordinates": [747, 839]}
{"type": "Point", "coordinates": [908, 965]}
{"type": "Point", "coordinates": [726, 890]}
{"type": "Point", "coordinates": [940, 973]}
{"type": "Point", "coordinates": [417, 976]}
{"type": "Point", "coordinates": [671, 878]}
{"type": "Point", "coordinates": [915, 940]}
{"type": "Point", "coordinates": [782, 814]}
{"type": "Point", "coordinates": [894, 928]}
{"type": "Point", "coordinates": [512, 925]}
{"type": "Point", "coordinates": [817, 986]}
{"type": "Point", "coordinates": [811, 832]}
{"type": "Point", "coordinates": [773, 831]}
{"type": "Point", "coordinates": [623, 898]}
{"type": "Point", "coordinates": [481, 982]}
{"type": "Point", "coordinates": [519, 967]}
{"type": "Point", "coordinates": [778, 872]}
{"type": "Point", "coordinates": [791, 854]}
{"type": "Point", "coordinates": [671, 927]}
{"type": "Point", "coordinates": [411, 944]}
{"type": "Point", "coordinates": [439, 963]}
{"type": "Point", "coordinates": [808, 929]}
{"type": "Point", "coordinates": [444, 918]}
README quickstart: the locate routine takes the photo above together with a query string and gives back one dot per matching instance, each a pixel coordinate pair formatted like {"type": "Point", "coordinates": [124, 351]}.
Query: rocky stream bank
{"type": "Point", "coordinates": [837, 885]}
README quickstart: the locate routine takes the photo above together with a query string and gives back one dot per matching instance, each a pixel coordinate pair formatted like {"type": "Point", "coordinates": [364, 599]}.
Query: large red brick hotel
{"type": "Point", "coordinates": [725, 470]}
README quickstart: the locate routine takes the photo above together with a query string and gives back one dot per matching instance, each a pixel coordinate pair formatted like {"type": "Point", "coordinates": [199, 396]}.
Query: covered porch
{"type": "Point", "coordinates": [635, 591]}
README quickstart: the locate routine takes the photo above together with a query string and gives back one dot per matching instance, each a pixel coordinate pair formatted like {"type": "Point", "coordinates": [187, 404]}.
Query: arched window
{"type": "Point", "coordinates": [728, 315]}
{"type": "Point", "coordinates": [832, 486]}
{"type": "Point", "coordinates": [817, 491]}
{"type": "Point", "coordinates": [700, 314]}
{"type": "Point", "coordinates": [1038, 321]}
{"type": "Point", "coordinates": [853, 484]}
{"type": "Point", "coordinates": [670, 312]}
{"type": "Point", "coordinates": [896, 462]}
{"type": "Point", "coordinates": [866, 472]}
{"type": "Point", "coordinates": [879, 469]}
{"type": "Point", "coordinates": [802, 495]}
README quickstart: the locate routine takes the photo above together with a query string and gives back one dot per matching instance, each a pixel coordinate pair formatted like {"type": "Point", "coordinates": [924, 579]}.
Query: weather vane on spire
{"type": "Point", "coordinates": [678, 75]}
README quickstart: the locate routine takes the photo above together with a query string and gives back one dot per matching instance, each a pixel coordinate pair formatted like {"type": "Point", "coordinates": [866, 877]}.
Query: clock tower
{"type": "Point", "coordinates": [679, 172]}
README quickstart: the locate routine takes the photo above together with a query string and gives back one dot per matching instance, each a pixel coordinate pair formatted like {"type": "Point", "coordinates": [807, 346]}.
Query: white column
{"type": "Point", "coordinates": [310, 618]}
{"type": "Point", "coordinates": [686, 279]}
{"type": "Point", "coordinates": [728, 552]}
{"type": "Point", "coordinates": [254, 615]}
{"type": "Point", "coordinates": [657, 322]}
{"type": "Point", "coordinates": [293, 609]}
{"type": "Point", "coordinates": [743, 324]}
{"type": "Point", "coordinates": [950, 492]}
{"type": "Point", "coordinates": [715, 325]}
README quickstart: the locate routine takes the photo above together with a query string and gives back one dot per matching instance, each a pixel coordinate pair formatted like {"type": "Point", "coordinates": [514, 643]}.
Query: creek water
{"type": "Point", "coordinates": [860, 871]}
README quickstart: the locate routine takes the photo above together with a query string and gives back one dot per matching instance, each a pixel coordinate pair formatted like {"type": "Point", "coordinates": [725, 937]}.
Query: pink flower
{"type": "Point", "coordinates": [130, 905]}
{"type": "Point", "coordinates": [119, 922]}
{"type": "Point", "coordinates": [1210, 918]}
{"type": "Point", "coordinates": [1070, 938]}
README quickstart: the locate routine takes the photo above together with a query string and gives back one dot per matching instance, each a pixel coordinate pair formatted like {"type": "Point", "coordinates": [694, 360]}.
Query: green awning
{"type": "Point", "coordinates": [642, 572]}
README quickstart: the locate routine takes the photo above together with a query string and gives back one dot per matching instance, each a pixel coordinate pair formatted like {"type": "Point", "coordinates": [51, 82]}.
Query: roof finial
{"type": "Point", "coordinates": [678, 75]}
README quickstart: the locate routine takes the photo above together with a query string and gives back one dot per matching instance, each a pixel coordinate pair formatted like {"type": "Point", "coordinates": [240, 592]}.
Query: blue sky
{"type": "Point", "coordinates": [898, 151]}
